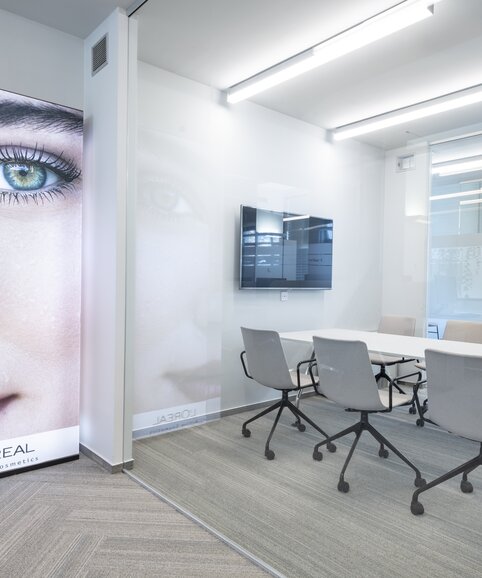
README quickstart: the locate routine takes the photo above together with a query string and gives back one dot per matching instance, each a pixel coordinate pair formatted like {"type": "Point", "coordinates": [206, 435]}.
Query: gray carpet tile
{"type": "Point", "coordinates": [289, 513]}
{"type": "Point", "coordinates": [75, 519]}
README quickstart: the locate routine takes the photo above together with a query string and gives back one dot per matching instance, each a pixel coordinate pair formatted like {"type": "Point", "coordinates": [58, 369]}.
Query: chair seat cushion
{"type": "Point", "coordinates": [380, 359]}
{"type": "Point", "coordinates": [397, 398]}
{"type": "Point", "coordinates": [305, 379]}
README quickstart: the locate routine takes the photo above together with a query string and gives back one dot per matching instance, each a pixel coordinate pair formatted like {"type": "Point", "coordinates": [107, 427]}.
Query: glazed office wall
{"type": "Point", "coordinates": [201, 159]}
{"type": "Point", "coordinates": [405, 229]}
{"type": "Point", "coordinates": [254, 156]}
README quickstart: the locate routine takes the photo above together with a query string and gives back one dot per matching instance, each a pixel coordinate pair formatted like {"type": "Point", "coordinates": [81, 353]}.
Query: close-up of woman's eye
{"type": "Point", "coordinates": [34, 175]}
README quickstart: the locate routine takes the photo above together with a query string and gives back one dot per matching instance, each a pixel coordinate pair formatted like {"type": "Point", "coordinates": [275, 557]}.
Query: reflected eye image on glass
{"type": "Point", "coordinates": [40, 260]}
{"type": "Point", "coordinates": [177, 271]}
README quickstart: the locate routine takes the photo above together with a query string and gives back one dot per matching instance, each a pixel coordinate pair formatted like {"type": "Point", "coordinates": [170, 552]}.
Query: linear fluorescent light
{"type": "Point", "coordinates": [455, 195]}
{"type": "Point", "coordinates": [379, 26]}
{"type": "Point", "coordinates": [464, 166]}
{"type": "Point", "coordinates": [471, 202]}
{"type": "Point", "coordinates": [437, 105]}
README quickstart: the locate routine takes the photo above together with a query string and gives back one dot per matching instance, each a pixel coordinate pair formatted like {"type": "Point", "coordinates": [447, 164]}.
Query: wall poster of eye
{"type": "Point", "coordinates": [40, 264]}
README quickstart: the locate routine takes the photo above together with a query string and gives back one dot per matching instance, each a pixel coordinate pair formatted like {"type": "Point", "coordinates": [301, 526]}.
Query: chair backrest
{"type": "Point", "coordinates": [397, 325]}
{"type": "Point", "coordinates": [454, 388]}
{"type": "Point", "coordinates": [470, 331]}
{"type": "Point", "coordinates": [266, 359]}
{"type": "Point", "coordinates": [345, 374]}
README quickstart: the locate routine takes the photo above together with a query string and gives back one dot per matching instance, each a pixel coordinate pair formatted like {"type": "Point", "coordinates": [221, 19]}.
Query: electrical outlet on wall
{"type": "Point", "coordinates": [283, 295]}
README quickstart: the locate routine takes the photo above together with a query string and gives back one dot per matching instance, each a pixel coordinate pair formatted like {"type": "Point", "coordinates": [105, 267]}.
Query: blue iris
{"type": "Point", "coordinates": [24, 176]}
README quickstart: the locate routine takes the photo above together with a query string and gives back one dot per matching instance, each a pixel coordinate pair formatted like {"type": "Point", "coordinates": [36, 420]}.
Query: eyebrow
{"type": "Point", "coordinates": [39, 116]}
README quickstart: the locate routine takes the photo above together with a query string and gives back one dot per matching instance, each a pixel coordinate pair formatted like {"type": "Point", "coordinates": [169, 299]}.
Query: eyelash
{"type": "Point", "coordinates": [65, 170]}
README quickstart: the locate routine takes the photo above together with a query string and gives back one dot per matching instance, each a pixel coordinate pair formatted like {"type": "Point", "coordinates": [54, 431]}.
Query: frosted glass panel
{"type": "Point", "coordinates": [455, 249]}
{"type": "Point", "coordinates": [177, 278]}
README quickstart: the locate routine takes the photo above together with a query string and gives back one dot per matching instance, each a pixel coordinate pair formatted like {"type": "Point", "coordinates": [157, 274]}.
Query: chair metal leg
{"type": "Point", "coordinates": [383, 374]}
{"type": "Point", "coordinates": [280, 405]}
{"type": "Point", "coordinates": [299, 414]}
{"type": "Point", "coordinates": [358, 429]}
{"type": "Point", "coordinates": [267, 452]}
{"type": "Point", "coordinates": [269, 409]}
{"type": "Point", "coordinates": [419, 481]}
{"type": "Point", "coordinates": [317, 455]}
{"type": "Point", "coordinates": [297, 423]}
{"type": "Point", "coordinates": [417, 508]}
{"type": "Point", "coordinates": [344, 486]}
{"type": "Point", "coordinates": [420, 410]}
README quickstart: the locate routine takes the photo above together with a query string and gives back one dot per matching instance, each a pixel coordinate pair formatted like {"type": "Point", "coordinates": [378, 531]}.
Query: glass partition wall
{"type": "Point", "coordinates": [194, 161]}
{"type": "Point", "coordinates": [455, 238]}
{"type": "Point", "coordinates": [173, 343]}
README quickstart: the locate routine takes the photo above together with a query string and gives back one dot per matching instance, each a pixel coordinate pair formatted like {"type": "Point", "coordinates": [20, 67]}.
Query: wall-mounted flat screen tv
{"type": "Point", "coordinates": [285, 250]}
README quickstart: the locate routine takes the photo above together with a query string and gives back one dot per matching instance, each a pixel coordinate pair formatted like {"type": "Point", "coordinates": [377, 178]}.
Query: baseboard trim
{"type": "Point", "coordinates": [111, 468]}
{"type": "Point", "coordinates": [258, 405]}
{"type": "Point", "coordinates": [150, 431]}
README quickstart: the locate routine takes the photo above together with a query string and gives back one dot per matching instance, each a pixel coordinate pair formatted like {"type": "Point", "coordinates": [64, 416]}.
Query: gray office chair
{"type": "Point", "coordinates": [454, 386]}
{"type": "Point", "coordinates": [346, 377]}
{"type": "Point", "coordinates": [396, 325]}
{"type": "Point", "coordinates": [264, 361]}
{"type": "Point", "coordinates": [455, 330]}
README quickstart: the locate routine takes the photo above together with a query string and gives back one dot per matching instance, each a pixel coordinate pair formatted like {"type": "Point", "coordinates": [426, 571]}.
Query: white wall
{"type": "Point", "coordinates": [103, 290]}
{"type": "Point", "coordinates": [405, 227]}
{"type": "Point", "coordinates": [41, 62]}
{"type": "Point", "coordinates": [199, 160]}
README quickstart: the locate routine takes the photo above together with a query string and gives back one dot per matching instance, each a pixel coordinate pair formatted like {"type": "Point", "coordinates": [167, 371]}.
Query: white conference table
{"type": "Point", "coordinates": [400, 345]}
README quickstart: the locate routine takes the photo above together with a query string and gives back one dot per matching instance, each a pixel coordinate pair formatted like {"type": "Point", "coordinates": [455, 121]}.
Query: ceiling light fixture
{"type": "Point", "coordinates": [379, 26]}
{"type": "Point", "coordinates": [462, 166]}
{"type": "Point", "coordinates": [471, 202]}
{"type": "Point", "coordinates": [451, 101]}
{"type": "Point", "coordinates": [455, 195]}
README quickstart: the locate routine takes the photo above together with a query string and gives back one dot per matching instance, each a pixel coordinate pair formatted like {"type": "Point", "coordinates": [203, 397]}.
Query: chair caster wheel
{"type": "Point", "coordinates": [383, 453]}
{"type": "Point", "coordinates": [420, 422]}
{"type": "Point", "coordinates": [317, 455]}
{"type": "Point", "coordinates": [343, 486]}
{"type": "Point", "coordinates": [301, 426]}
{"type": "Point", "coordinates": [420, 482]}
{"type": "Point", "coordinates": [466, 487]}
{"type": "Point", "coordinates": [416, 508]}
{"type": "Point", "coordinates": [269, 454]}
{"type": "Point", "coordinates": [246, 433]}
{"type": "Point", "coordinates": [412, 410]}
{"type": "Point", "coordinates": [331, 447]}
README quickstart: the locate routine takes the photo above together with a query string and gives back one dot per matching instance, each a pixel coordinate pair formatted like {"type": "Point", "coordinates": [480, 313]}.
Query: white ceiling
{"type": "Point", "coordinates": [76, 17]}
{"type": "Point", "coordinates": [221, 42]}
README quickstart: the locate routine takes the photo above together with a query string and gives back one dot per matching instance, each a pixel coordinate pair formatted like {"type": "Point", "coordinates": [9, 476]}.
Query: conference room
{"type": "Point", "coordinates": [220, 185]}
{"type": "Point", "coordinates": [322, 211]}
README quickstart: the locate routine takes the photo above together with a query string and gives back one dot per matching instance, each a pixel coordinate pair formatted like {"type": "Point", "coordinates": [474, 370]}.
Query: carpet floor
{"type": "Point", "coordinates": [289, 513]}
{"type": "Point", "coordinates": [77, 520]}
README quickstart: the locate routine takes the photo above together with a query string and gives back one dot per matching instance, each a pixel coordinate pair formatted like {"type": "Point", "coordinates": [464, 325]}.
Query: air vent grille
{"type": "Point", "coordinates": [405, 163]}
{"type": "Point", "coordinates": [99, 55]}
